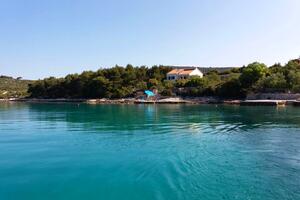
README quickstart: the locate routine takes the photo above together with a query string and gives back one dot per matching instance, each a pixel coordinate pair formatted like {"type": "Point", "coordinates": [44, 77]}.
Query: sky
{"type": "Point", "coordinates": [57, 37]}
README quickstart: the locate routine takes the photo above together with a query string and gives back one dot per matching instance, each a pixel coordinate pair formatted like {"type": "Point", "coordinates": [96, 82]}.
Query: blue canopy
{"type": "Point", "coordinates": [149, 93]}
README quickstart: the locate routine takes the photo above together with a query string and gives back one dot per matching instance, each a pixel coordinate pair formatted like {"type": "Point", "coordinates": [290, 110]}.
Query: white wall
{"type": "Point", "coordinates": [196, 72]}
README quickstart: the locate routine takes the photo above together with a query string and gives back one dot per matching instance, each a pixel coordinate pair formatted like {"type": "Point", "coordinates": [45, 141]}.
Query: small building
{"type": "Point", "coordinates": [183, 73]}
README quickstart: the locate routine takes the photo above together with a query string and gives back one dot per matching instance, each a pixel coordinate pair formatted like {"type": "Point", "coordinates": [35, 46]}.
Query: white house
{"type": "Point", "coordinates": [183, 73]}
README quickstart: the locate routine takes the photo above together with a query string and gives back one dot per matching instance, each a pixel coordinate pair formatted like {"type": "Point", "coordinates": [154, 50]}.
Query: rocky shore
{"type": "Point", "coordinates": [171, 100]}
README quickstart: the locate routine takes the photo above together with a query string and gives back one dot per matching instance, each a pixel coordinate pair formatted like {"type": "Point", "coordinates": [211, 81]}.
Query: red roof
{"type": "Point", "coordinates": [180, 72]}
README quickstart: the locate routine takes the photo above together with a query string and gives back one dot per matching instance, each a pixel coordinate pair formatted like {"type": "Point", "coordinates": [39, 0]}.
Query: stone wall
{"type": "Point", "coordinates": [274, 96]}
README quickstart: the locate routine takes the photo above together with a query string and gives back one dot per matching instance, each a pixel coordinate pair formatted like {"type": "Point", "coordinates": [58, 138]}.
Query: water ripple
{"type": "Point", "coordinates": [65, 151]}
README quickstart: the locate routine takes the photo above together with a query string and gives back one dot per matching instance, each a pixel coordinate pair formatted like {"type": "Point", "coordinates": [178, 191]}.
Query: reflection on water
{"type": "Point", "coordinates": [135, 117]}
{"type": "Point", "coordinates": [75, 151]}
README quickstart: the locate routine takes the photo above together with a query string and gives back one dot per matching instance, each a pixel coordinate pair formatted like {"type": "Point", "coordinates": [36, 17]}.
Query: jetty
{"type": "Point", "coordinates": [263, 103]}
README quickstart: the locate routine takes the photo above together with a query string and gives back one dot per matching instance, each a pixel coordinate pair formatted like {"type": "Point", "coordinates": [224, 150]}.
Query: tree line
{"type": "Point", "coordinates": [13, 87]}
{"type": "Point", "coordinates": [120, 82]}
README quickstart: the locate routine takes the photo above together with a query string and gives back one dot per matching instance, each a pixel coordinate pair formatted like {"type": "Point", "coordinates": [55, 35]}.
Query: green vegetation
{"type": "Point", "coordinates": [237, 83]}
{"type": "Point", "coordinates": [13, 88]}
{"type": "Point", "coordinates": [116, 82]}
{"type": "Point", "coordinates": [119, 82]}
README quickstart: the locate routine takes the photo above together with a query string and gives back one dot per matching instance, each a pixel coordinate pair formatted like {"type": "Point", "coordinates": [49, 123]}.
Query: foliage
{"type": "Point", "coordinates": [272, 83]}
{"type": "Point", "coordinates": [119, 82]}
{"type": "Point", "coordinates": [252, 73]}
{"type": "Point", "coordinates": [230, 88]}
{"type": "Point", "coordinates": [13, 88]}
{"type": "Point", "coordinates": [116, 82]}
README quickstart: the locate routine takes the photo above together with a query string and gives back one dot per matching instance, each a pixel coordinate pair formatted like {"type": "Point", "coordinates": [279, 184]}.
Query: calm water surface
{"type": "Point", "coordinates": [70, 151]}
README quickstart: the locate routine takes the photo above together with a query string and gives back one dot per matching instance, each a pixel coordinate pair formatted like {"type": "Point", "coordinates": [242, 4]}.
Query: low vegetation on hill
{"type": "Point", "coordinates": [13, 88]}
{"type": "Point", "coordinates": [119, 82]}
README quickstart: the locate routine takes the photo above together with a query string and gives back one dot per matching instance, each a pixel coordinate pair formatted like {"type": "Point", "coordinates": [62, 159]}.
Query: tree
{"type": "Point", "coordinates": [230, 88]}
{"type": "Point", "coordinates": [294, 81]}
{"type": "Point", "coordinates": [129, 76]}
{"type": "Point", "coordinates": [37, 89]}
{"type": "Point", "coordinates": [252, 73]}
{"type": "Point", "coordinates": [274, 82]}
{"type": "Point", "coordinates": [196, 82]}
{"type": "Point", "coordinates": [154, 83]}
{"type": "Point", "coordinates": [180, 83]}
{"type": "Point", "coordinates": [168, 88]}
{"type": "Point", "coordinates": [118, 82]}
{"type": "Point", "coordinates": [99, 87]}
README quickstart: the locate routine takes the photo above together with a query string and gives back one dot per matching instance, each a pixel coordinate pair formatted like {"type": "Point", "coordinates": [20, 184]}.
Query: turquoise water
{"type": "Point", "coordinates": [70, 151]}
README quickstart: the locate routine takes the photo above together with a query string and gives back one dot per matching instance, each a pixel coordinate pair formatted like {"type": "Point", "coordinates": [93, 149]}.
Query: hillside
{"type": "Point", "coordinates": [122, 82]}
{"type": "Point", "coordinates": [13, 88]}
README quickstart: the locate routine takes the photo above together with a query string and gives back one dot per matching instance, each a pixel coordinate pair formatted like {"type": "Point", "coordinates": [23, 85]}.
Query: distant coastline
{"type": "Point", "coordinates": [190, 84]}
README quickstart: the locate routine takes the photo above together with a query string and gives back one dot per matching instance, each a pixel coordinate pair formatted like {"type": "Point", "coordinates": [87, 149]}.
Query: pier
{"type": "Point", "coordinates": [263, 103]}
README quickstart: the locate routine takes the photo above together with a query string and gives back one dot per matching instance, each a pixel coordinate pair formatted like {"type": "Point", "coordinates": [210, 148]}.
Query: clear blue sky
{"type": "Point", "coordinates": [56, 37]}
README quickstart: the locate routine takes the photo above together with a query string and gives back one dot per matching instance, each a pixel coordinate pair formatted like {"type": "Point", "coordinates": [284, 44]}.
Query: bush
{"type": "Point", "coordinates": [274, 82]}
{"type": "Point", "coordinates": [230, 88]}
{"type": "Point", "coordinates": [252, 73]}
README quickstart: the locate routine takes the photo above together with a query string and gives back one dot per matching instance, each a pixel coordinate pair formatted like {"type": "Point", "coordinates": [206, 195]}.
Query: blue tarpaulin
{"type": "Point", "coordinates": [149, 93]}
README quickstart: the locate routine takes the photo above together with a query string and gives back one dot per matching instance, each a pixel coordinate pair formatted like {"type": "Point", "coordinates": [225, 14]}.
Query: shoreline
{"type": "Point", "coordinates": [172, 100]}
